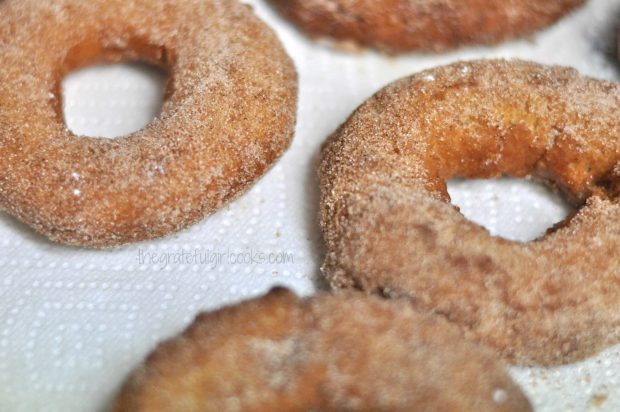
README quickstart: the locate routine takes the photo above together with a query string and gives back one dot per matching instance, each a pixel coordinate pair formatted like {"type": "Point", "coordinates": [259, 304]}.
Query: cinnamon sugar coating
{"type": "Point", "coordinates": [229, 114]}
{"type": "Point", "coordinates": [345, 352]}
{"type": "Point", "coordinates": [390, 228]}
{"type": "Point", "coordinates": [396, 26]}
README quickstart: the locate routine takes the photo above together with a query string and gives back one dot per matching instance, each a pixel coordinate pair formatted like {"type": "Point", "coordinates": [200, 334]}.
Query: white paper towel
{"type": "Point", "coordinates": [74, 322]}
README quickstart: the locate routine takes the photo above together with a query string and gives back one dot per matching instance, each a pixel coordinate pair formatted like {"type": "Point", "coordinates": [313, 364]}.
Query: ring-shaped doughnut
{"type": "Point", "coordinates": [345, 352]}
{"type": "Point", "coordinates": [390, 228]}
{"type": "Point", "coordinates": [229, 114]}
{"type": "Point", "coordinates": [396, 26]}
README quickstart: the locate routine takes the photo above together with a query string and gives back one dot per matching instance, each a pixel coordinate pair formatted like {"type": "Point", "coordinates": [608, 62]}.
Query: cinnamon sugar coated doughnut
{"type": "Point", "coordinates": [390, 228]}
{"type": "Point", "coordinates": [428, 25]}
{"type": "Point", "coordinates": [229, 114]}
{"type": "Point", "coordinates": [331, 353]}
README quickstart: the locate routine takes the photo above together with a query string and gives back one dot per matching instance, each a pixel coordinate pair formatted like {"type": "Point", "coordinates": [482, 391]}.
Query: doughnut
{"type": "Point", "coordinates": [229, 114]}
{"type": "Point", "coordinates": [330, 353]}
{"type": "Point", "coordinates": [390, 228]}
{"type": "Point", "coordinates": [396, 26]}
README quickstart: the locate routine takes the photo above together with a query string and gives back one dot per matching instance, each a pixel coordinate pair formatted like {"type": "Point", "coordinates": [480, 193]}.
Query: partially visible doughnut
{"type": "Point", "coordinates": [229, 114]}
{"type": "Point", "coordinates": [396, 26]}
{"type": "Point", "coordinates": [346, 352]}
{"type": "Point", "coordinates": [390, 228]}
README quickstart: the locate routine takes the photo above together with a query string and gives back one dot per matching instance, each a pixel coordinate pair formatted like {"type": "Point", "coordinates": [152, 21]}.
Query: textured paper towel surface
{"type": "Point", "coordinates": [74, 322]}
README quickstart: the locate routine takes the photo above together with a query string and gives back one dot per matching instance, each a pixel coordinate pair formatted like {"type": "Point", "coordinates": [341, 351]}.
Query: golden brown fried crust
{"type": "Point", "coordinates": [390, 228]}
{"type": "Point", "coordinates": [429, 25]}
{"type": "Point", "coordinates": [345, 352]}
{"type": "Point", "coordinates": [230, 113]}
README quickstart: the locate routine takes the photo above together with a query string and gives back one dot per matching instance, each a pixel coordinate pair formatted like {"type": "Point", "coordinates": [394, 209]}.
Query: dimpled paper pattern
{"type": "Point", "coordinates": [74, 322]}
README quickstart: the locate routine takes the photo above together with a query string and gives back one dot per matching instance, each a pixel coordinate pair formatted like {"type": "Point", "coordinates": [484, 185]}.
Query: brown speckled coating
{"type": "Point", "coordinates": [344, 352]}
{"type": "Point", "coordinates": [229, 114]}
{"type": "Point", "coordinates": [390, 228]}
{"type": "Point", "coordinates": [428, 25]}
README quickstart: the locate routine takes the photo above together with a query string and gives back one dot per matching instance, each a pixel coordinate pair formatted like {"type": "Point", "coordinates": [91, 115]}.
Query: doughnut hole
{"type": "Point", "coordinates": [112, 100]}
{"type": "Point", "coordinates": [514, 209]}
